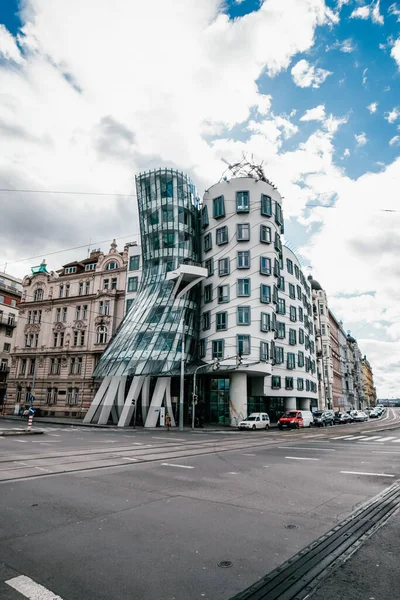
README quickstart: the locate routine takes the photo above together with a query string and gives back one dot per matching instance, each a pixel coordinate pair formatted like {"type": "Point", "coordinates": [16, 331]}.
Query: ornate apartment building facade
{"type": "Point", "coordinates": [10, 296]}
{"type": "Point", "coordinates": [66, 321]}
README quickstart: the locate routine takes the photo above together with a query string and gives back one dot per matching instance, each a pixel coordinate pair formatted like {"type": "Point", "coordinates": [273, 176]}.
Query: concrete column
{"type": "Point", "coordinates": [304, 403]}
{"type": "Point", "coordinates": [237, 398]}
{"type": "Point", "coordinates": [290, 404]}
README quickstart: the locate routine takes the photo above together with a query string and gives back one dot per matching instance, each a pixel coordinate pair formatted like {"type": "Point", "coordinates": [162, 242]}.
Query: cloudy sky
{"type": "Point", "coordinates": [93, 91]}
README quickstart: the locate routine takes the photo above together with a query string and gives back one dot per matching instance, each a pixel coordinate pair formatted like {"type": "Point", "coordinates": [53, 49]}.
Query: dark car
{"type": "Point", "coordinates": [343, 417]}
{"type": "Point", "coordinates": [323, 418]}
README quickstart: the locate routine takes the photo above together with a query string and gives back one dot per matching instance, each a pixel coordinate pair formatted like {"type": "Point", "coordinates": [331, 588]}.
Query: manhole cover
{"type": "Point", "coordinates": [291, 526]}
{"type": "Point", "coordinates": [225, 564]}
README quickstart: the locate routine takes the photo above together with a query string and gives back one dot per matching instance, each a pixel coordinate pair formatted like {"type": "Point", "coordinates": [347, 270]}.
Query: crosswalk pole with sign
{"type": "Point", "coordinates": [30, 422]}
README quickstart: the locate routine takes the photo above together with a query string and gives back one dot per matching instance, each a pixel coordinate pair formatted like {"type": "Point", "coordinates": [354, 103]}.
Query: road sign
{"type": "Point", "coordinates": [31, 398]}
{"type": "Point", "coordinates": [32, 410]}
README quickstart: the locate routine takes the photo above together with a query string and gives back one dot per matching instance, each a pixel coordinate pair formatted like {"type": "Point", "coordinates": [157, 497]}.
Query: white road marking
{"type": "Point", "coordinates": [30, 589]}
{"type": "Point", "coordinates": [300, 458]}
{"type": "Point", "coordinates": [180, 466]}
{"type": "Point", "coordinates": [317, 448]}
{"type": "Point", "coordinates": [54, 434]}
{"type": "Point", "coordinates": [385, 452]}
{"type": "Point", "coordinates": [342, 437]}
{"type": "Point", "coordinates": [396, 441]}
{"type": "Point", "coordinates": [359, 437]}
{"type": "Point", "coordinates": [127, 458]}
{"type": "Point", "coordinates": [386, 439]}
{"type": "Point", "coordinates": [40, 469]}
{"type": "Point", "coordinates": [21, 441]}
{"type": "Point", "coordinates": [232, 473]}
{"type": "Point", "coordinates": [374, 437]}
{"type": "Point", "coordinates": [137, 444]}
{"type": "Point", "coordinates": [248, 454]}
{"type": "Point", "coordinates": [373, 474]}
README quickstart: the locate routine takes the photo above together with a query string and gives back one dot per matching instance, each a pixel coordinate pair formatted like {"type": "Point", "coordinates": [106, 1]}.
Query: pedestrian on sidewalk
{"type": "Point", "coordinates": [167, 421]}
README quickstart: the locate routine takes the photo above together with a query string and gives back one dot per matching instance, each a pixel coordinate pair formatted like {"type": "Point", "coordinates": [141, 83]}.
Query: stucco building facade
{"type": "Point", "coordinates": [66, 321]}
{"type": "Point", "coordinates": [10, 296]}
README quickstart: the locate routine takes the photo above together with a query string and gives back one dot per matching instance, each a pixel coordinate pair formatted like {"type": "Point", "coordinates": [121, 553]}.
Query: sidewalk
{"type": "Point", "coordinates": [371, 573]}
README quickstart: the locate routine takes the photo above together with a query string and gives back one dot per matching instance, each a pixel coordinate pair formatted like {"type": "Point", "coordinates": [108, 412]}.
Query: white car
{"type": "Point", "coordinates": [359, 415]}
{"type": "Point", "coordinates": [255, 421]}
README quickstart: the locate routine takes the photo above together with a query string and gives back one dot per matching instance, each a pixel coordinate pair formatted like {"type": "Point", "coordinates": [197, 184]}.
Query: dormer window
{"type": "Point", "coordinates": [70, 270]}
{"type": "Point", "coordinates": [90, 267]}
{"type": "Point", "coordinates": [111, 265]}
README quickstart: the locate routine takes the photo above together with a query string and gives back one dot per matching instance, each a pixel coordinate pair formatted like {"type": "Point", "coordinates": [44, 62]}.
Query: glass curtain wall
{"type": "Point", "coordinates": [149, 340]}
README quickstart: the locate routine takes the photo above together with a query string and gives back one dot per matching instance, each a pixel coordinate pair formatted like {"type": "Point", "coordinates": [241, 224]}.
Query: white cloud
{"type": "Point", "coordinates": [341, 3]}
{"type": "Point", "coordinates": [306, 75]}
{"type": "Point", "coordinates": [8, 47]}
{"type": "Point", "coordinates": [392, 115]}
{"type": "Point", "coordinates": [362, 12]}
{"type": "Point", "coordinates": [395, 52]}
{"type": "Point", "coordinates": [346, 153]}
{"type": "Point", "coordinates": [373, 107]}
{"type": "Point", "coordinates": [393, 10]}
{"type": "Point", "coordinates": [347, 46]}
{"type": "Point", "coordinates": [364, 78]}
{"type": "Point", "coordinates": [376, 15]}
{"type": "Point", "coordinates": [395, 141]}
{"type": "Point", "coordinates": [314, 114]}
{"type": "Point", "coordinates": [361, 139]}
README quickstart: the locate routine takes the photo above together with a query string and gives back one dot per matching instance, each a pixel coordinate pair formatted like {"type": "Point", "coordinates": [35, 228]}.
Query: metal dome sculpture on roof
{"type": "Point", "coordinates": [246, 168]}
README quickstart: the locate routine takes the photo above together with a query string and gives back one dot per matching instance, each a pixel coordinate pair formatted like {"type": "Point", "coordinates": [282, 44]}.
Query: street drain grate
{"type": "Point", "coordinates": [225, 564]}
{"type": "Point", "coordinates": [291, 526]}
{"type": "Point", "coordinates": [297, 578]}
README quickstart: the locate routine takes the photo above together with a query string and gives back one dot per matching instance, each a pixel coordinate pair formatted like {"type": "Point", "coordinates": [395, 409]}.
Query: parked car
{"type": "Point", "coordinates": [343, 417]}
{"type": "Point", "coordinates": [255, 421]}
{"type": "Point", "coordinates": [294, 419]}
{"type": "Point", "coordinates": [359, 415]}
{"type": "Point", "coordinates": [374, 414]}
{"type": "Point", "coordinates": [323, 418]}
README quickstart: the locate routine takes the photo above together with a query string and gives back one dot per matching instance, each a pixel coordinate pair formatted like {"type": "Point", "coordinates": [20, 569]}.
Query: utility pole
{"type": "Point", "coordinates": [182, 380]}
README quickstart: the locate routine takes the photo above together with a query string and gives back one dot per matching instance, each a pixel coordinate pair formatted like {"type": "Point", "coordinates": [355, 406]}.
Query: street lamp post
{"type": "Point", "coordinates": [182, 380]}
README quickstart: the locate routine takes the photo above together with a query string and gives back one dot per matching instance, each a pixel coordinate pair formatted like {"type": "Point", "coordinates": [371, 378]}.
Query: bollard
{"type": "Point", "coordinates": [30, 422]}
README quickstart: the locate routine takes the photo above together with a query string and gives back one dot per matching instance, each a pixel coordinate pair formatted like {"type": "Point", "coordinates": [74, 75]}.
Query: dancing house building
{"type": "Point", "coordinates": [221, 300]}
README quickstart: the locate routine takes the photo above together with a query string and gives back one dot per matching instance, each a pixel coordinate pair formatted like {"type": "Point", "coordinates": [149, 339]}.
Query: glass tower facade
{"type": "Point", "coordinates": [149, 340]}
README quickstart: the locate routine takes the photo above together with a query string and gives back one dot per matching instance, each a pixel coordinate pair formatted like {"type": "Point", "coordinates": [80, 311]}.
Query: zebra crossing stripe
{"type": "Point", "coordinates": [386, 439]}
{"type": "Point", "coordinates": [374, 437]}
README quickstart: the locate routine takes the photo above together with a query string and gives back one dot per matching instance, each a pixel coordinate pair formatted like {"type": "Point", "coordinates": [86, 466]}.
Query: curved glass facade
{"type": "Point", "coordinates": [149, 340]}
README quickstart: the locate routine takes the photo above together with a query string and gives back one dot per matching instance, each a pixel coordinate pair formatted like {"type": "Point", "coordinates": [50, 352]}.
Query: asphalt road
{"type": "Point", "coordinates": [98, 514]}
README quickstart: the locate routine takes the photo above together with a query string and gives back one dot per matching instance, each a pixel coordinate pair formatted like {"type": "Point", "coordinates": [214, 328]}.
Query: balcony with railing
{"type": "Point", "coordinates": [7, 321]}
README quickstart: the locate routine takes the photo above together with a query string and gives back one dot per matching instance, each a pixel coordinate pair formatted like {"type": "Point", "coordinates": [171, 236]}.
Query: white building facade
{"type": "Point", "coordinates": [133, 275]}
{"type": "Point", "coordinates": [256, 319]}
{"type": "Point", "coordinates": [10, 296]}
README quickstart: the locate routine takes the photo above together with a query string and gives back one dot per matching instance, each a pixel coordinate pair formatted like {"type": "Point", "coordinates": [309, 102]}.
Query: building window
{"type": "Point", "coordinates": [300, 314]}
{"type": "Point", "coordinates": [77, 313]}
{"type": "Point", "coordinates": [292, 291]}
{"type": "Point", "coordinates": [265, 293]}
{"type": "Point", "coordinates": [321, 309]}
{"type": "Point", "coordinates": [243, 232]}
{"type": "Point", "coordinates": [70, 270]}
{"type": "Point", "coordinates": [207, 242]}
{"type": "Point", "coordinates": [9, 331]}
{"type": "Point", "coordinates": [243, 287]}
{"type": "Point", "coordinates": [67, 288]}
{"type": "Point", "coordinates": [218, 207]}
{"type": "Point", "coordinates": [275, 382]}
{"type": "Point", "coordinates": [111, 266]}
{"type": "Point", "coordinates": [217, 349]}
{"type": "Point", "coordinates": [58, 315]}
{"type": "Point", "coordinates": [208, 293]}
{"type": "Point", "coordinates": [206, 320]}
{"type": "Point", "coordinates": [264, 354]}
{"type": "Point", "coordinates": [292, 337]}
{"type": "Point", "coordinates": [223, 294]}
{"type": "Point", "coordinates": [242, 202]}
{"type": "Point", "coordinates": [293, 316]}
{"type": "Point", "coordinates": [279, 355]}
{"type": "Point", "coordinates": [202, 348]}
{"type": "Point", "coordinates": [90, 267]}
{"type": "Point", "coordinates": [281, 306]}
{"type": "Point", "coordinates": [290, 360]}
{"type": "Point", "coordinates": [22, 368]}
{"type": "Point", "coordinates": [132, 284]}
{"type": "Point", "coordinates": [72, 366]}
{"type": "Point", "coordinates": [278, 214]}
{"type": "Point", "coordinates": [288, 383]}
{"type": "Point", "coordinates": [223, 267]}
{"type": "Point", "coordinates": [221, 235]}
{"type": "Point", "coordinates": [300, 359]}
{"type": "Point", "coordinates": [281, 330]}
{"type": "Point", "coordinates": [281, 283]}
{"type": "Point", "coordinates": [209, 265]}
{"type": "Point", "coordinates": [301, 336]}
{"type": "Point", "coordinates": [265, 323]}
{"type": "Point", "coordinates": [323, 330]}
{"type": "Point", "coordinates": [79, 365]}
{"type": "Point", "coordinates": [221, 321]}
{"type": "Point", "coordinates": [307, 385]}
{"type": "Point", "coordinates": [243, 259]}
{"type": "Point", "coordinates": [134, 263]}
{"type": "Point", "coordinates": [6, 347]}
{"type": "Point", "coordinates": [266, 205]}
{"type": "Point", "coordinates": [82, 341]}
{"type": "Point", "coordinates": [114, 283]}
{"type": "Point", "coordinates": [265, 234]}
{"type": "Point", "coordinates": [102, 334]}
{"type": "Point", "coordinates": [289, 266]}
{"type": "Point", "coordinates": [299, 295]}
{"type": "Point", "coordinates": [64, 313]}
{"type": "Point", "coordinates": [104, 307]}
{"type": "Point", "coordinates": [106, 284]}
{"type": "Point", "coordinates": [277, 271]}
{"type": "Point", "coordinates": [265, 265]}
{"type": "Point", "coordinates": [38, 295]}
{"type": "Point", "coordinates": [243, 315]}
{"type": "Point", "coordinates": [204, 217]}
{"type": "Point", "coordinates": [11, 317]}
{"type": "Point", "coordinates": [129, 303]}
{"type": "Point", "coordinates": [243, 344]}
{"type": "Point", "coordinates": [84, 311]}
{"type": "Point", "coordinates": [87, 288]}
{"type": "Point", "coordinates": [167, 214]}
